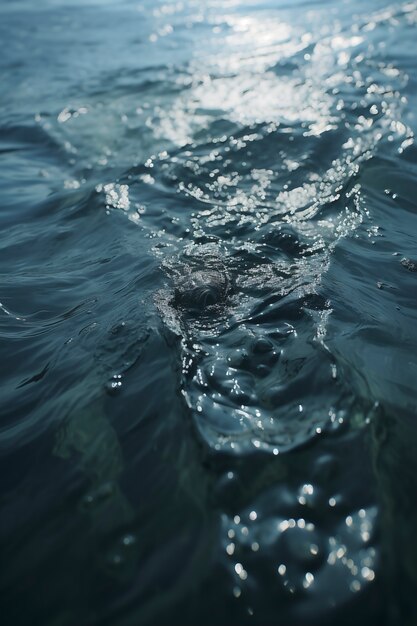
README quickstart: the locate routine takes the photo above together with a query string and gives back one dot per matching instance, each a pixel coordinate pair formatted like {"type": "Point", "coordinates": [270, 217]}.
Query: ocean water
{"type": "Point", "coordinates": [245, 458]}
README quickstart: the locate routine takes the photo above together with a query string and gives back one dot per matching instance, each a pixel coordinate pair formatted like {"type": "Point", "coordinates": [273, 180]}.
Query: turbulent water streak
{"type": "Point", "coordinates": [276, 187]}
{"type": "Point", "coordinates": [207, 311]}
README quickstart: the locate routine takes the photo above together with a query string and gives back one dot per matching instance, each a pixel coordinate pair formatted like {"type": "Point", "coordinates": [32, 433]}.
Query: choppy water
{"type": "Point", "coordinates": [251, 462]}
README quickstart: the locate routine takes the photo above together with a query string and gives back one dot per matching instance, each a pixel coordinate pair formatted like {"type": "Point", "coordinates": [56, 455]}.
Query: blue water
{"type": "Point", "coordinates": [249, 461]}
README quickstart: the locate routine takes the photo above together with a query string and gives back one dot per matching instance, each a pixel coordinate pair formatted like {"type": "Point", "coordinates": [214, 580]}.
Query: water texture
{"type": "Point", "coordinates": [208, 313]}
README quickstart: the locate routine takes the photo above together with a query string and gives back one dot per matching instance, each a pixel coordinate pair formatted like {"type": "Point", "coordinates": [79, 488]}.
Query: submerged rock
{"type": "Point", "coordinates": [200, 278]}
{"type": "Point", "coordinates": [202, 288]}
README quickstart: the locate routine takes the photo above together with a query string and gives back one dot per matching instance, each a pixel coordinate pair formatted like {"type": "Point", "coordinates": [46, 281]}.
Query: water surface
{"type": "Point", "coordinates": [251, 462]}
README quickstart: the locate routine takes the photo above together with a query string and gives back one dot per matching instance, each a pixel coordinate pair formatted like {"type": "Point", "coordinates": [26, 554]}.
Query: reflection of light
{"type": "Point", "coordinates": [338, 42]}
{"type": "Point", "coordinates": [230, 549]}
{"type": "Point", "coordinates": [247, 30]}
{"type": "Point", "coordinates": [282, 569]}
{"type": "Point", "coordinates": [368, 573]}
{"type": "Point", "coordinates": [117, 196]}
{"type": "Point", "coordinates": [249, 97]}
{"type": "Point", "coordinates": [239, 77]}
{"type": "Point", "coordinates": [240, 571]}
{"type": "Point", "coordinates": [242, 81]}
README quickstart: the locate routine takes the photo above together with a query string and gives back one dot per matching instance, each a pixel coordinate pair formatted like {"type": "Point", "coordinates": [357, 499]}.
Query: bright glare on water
{"type": "Point", "coordinates": [208, 312]}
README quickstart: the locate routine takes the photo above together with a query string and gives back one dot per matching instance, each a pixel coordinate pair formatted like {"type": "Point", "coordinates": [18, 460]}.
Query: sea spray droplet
{"type": "Point", "coordinates": [114, 385]}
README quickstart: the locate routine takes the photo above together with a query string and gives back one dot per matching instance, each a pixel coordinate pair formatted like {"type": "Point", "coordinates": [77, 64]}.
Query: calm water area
{"type": "Point", "coordinates": [208, 313]}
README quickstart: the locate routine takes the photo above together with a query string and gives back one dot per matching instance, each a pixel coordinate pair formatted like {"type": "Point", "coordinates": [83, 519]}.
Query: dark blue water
{"type": "Point", "coordinates": [248, 458]}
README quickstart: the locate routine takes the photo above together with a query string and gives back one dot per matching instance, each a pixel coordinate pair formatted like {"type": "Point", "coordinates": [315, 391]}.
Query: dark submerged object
{"type": "Point", "coordinates": [202, 288]}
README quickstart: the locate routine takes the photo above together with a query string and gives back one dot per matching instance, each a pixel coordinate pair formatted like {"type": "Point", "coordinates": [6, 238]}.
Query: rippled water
{"type": "Point", "coordinates": [207, 316]}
